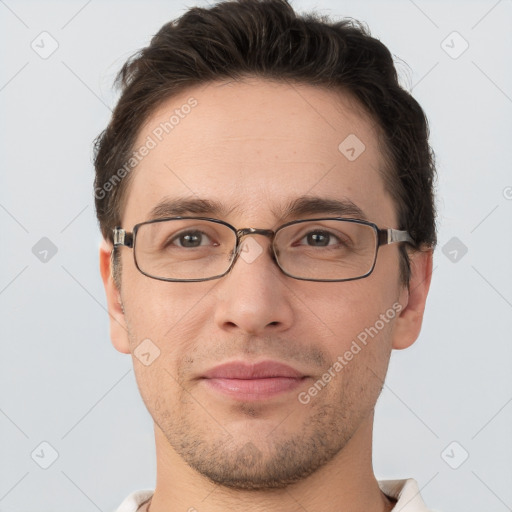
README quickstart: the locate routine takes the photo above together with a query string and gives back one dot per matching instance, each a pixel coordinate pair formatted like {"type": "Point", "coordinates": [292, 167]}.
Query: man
{"type": "Point", "coordinates": [264, 189]}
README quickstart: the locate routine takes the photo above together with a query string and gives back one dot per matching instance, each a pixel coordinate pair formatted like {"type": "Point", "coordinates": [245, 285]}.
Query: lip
{"type": "Point", "coordinates": [243, 370]}
{"type": "Point", "coordinates": [245, 381]}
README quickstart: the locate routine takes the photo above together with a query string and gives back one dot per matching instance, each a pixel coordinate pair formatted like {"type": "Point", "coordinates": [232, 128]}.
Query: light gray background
{"type": "Point", "coordinates": [63, 383]}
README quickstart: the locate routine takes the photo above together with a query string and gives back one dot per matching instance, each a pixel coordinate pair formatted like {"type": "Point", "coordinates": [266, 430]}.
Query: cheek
{"type": "Point", "coordinates": [166, 321]}
{"type": "Point", "coordinates": [362, 320]}
{"type": "Point", "coordinates": [359, 316]}
{"type": "Point", "coordinates": [165, 311]}
{"type": "Point", "coordinates": [351, 309]}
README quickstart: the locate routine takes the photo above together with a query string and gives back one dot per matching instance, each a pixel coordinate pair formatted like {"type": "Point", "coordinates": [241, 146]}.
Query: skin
{"type": "Point", "coordinates": [254, 146]}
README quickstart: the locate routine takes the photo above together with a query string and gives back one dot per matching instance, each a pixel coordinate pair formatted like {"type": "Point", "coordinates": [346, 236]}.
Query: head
{"type": "Point", "coordinates": [244, 107]}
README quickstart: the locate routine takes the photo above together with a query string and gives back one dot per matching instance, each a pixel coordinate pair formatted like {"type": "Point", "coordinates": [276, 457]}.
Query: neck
{"type": "Point", "coordinates": [345, 484]}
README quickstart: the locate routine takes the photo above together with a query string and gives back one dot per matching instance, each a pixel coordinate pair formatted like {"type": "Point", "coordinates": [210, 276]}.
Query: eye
{"type": "Point", "coordinates": [188, 239]}
{"type": "Point", "coordinates": [320, 238]}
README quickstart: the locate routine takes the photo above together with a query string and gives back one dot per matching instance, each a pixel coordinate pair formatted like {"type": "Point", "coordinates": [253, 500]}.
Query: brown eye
{"type": "Point", "coordinates": [190, 239]}
{"type": "Point", "coordinates": [320, 238]}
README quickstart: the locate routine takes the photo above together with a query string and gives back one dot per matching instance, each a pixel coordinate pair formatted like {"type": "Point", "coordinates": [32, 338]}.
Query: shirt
{"type": "Point", "coordinates": [405, 491]}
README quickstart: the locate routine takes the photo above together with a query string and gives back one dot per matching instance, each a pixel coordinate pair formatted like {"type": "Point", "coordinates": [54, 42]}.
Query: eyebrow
{"type": "Point", "coordinates": [295, 208]}
{"type": "Point", "coordinates": [169, 207]}
{"type": "Point", "coordinates": [312, 205]}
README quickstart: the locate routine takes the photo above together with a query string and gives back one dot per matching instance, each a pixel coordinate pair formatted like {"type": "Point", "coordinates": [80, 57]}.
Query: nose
{"type": "Point", "coordinates": [253, 297]}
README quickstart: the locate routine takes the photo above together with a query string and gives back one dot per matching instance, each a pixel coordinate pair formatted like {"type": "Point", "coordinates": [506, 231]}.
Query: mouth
{"type": "Point", "coordinates": [245, 381]}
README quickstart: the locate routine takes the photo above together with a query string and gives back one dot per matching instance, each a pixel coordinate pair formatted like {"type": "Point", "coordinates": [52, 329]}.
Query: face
{"type": "Point", "coordinates": [254, 148]}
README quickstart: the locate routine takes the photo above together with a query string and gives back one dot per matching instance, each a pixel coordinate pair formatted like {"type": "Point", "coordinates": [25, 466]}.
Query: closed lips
{"type": "Point", "coordinates": [261, 370]}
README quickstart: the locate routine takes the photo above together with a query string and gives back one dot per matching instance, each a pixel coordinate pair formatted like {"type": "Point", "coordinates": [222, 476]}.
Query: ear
{"type": "Point", "coordinates": [412, 299]}
{"type": "Point", "coordinates": [118, 330]}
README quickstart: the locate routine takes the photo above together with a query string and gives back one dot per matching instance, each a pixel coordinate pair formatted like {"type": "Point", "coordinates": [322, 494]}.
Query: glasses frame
{"type": "Point", "coordinates": [384, 236]}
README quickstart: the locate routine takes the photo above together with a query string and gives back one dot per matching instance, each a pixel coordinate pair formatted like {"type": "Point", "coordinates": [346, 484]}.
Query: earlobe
{"type": "Point", "coordinates": [413, 299]}
{"type": "Point", "coordinates": [118, 330]}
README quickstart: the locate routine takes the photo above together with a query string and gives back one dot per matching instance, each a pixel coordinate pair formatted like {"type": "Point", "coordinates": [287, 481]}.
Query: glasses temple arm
{"type": "Point", "coordinates": [121, 237]}
{"type": "Point", "coordinates": [391, 236]}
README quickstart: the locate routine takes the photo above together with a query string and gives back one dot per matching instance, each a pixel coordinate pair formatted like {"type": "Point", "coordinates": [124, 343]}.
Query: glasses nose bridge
{"type": "Point", "coordinates": [241, 233]}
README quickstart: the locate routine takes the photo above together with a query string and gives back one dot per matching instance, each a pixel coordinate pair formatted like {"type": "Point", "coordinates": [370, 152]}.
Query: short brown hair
{"type": "Point", "coordinates": [268, 39]}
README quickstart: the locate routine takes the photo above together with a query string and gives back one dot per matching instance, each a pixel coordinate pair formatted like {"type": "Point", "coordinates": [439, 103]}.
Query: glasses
{"type": "Point", "coordinates": [200, 248]}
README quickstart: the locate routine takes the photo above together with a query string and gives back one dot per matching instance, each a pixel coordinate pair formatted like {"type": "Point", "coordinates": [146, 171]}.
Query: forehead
{"type": "Point", "coordinates": [255, 146]}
